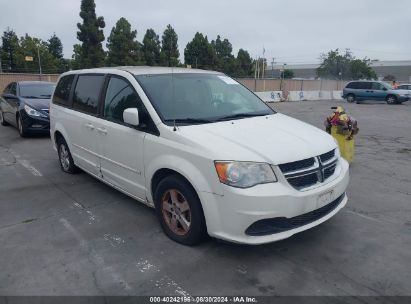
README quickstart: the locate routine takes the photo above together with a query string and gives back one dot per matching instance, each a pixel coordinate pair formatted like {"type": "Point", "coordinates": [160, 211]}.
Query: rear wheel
{"type": "Point", "coordinates": [179, 211]}
{"type": "Point", "coordinates": [350, 98]}
{"type": "Point", "coordinates": [66, 160]}
{"type": "Point", "coordinates": [391, 99]}
{"type": "Point", "coordinates": [2, 121]}
{"type": "Point", "coordinates": [22, 130]}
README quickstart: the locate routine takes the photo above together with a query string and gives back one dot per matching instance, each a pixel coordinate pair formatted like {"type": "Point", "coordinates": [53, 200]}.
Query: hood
{"type": "Point", "coordinates": [37, 104]}
{"type": "Point", "coordinates": [401, 91]}
{"type": "Point", "coordinates": [275, 139]}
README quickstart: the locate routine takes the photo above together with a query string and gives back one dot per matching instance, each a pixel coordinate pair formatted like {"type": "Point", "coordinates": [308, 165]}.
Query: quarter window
{"type": "Point", "coordinates": [87, 93]}
{"type": "Point", "coordinates": [63, 89]}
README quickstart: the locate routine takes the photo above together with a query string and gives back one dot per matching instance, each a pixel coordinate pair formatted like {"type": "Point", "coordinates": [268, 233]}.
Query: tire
{"type": "Point", "coordinates": [350, 98]}
{"type": "Point", "coordinates": [22, 131]}
{"type": "Point", "coordinates": [65, 158]}
{"type": "Point", "coordinates": [2, 121]}
{"type": "Point", "coordinates": [179, 211]}
{"type": "Point", "coordinates": [391, 99]}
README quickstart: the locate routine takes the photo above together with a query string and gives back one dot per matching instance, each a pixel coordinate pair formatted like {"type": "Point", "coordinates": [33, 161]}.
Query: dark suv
{"type": "Point", "coordinates": [374, 90]}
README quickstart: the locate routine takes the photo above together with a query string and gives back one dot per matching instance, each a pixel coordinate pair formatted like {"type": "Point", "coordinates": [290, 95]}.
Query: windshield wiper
{"type": "Point", "coordinates": [189, 120]}
{"type": "Point", "coordinates": [240, 115]}
{"type": "Point", "coordinates": [46, 95]}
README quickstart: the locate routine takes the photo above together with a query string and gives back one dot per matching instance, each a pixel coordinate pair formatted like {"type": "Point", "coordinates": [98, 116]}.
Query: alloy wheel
{"type": "Point", "coordinates": [176, 212]}
{"type": "Point", "coordinates": [64, 157]}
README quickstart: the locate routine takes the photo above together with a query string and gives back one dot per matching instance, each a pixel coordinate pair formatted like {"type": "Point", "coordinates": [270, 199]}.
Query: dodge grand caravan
{"type": "Point", "coordinates": [374, 90]}
{"type": "Point", "coordinates": [200, 148]}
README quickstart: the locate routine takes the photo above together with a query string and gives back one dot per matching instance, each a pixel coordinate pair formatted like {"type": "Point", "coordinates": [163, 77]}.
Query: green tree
{"type": "Point", "coordinates": [151, 48]}
{"type": "Point", "coordinates": [91, 35]}
{"type": "Point", "coordinates": [224, 59]}
{"type": "Point", "coordinates": [123, 49]}
{"type": "Point", "coordinates": [169, 47]}
{"type": "Point", "coordinates": [55, 46]}
{"type": "Point", "coordinates": [244, 63]}
{"type": "Point", "coordinates": [287, 74]}
{"type": "Point", "coordinates": [344, 66]}
{"type": "Point", "coordinates": [360, 69]}
{"type": "Point", "coordinates": [33, 47]}
{"type": "Point", "coordinates": [199, 53]}
{"type": "Point", "coordinates": [10, 45]}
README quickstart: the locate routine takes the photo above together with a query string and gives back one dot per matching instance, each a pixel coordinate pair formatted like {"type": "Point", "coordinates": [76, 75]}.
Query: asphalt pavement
{"type": "Point", "coordinates": [72, 235]}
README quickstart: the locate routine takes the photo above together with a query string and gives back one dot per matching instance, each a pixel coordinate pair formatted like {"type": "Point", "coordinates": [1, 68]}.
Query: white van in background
{"type": "Point", "coordinates": [207, 153]}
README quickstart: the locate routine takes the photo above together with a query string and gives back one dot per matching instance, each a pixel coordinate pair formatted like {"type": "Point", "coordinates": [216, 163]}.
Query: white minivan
{"type": "Point", "coordinates": [200, 148]}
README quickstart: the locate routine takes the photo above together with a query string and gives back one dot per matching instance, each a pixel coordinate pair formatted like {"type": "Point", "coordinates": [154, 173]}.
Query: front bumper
{"type": "Point", "coordinates": [403, 98]}
{"type": "Point", "coordinates": [32, 124]}
{"type": "Point", "coordinates": [229, 216]}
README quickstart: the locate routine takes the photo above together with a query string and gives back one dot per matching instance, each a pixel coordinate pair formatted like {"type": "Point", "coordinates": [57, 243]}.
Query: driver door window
{"type": "Point", "coordinates": [377, 86]}
{"type": "Point", "coordinates": [120, 96]}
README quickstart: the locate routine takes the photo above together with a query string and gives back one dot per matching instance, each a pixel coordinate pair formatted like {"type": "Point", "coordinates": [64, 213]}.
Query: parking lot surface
{"type": "Point", "coordinates": [72, 235]}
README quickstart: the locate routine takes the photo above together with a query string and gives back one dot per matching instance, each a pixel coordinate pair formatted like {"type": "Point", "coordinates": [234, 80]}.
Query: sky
{"type": "Point", "coordinates": [291, 31]}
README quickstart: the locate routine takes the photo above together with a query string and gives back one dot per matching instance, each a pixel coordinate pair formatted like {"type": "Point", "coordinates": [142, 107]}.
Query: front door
{"type": "Point", "coordinates": [122, 159]}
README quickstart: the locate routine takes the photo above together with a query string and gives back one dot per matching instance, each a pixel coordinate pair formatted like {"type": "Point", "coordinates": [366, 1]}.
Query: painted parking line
{"type": "Point", "coordinates": [97, 259]}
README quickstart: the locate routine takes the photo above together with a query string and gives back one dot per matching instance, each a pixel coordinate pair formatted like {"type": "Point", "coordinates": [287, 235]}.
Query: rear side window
{"type": "Point", "coordinates": [87, 93]}
{"type": "Point", "coordinates": [364, 85]}
{"type": "Point", "coordinates": [63, 89]}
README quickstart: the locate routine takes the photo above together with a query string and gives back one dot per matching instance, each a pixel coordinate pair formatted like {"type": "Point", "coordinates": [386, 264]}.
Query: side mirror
{"type": "Point", "coordinates": [384, 89]}
{"type": "Point", "coordinates": [130, 116]}
{"type": "Point", "coordinates": [10, 96]}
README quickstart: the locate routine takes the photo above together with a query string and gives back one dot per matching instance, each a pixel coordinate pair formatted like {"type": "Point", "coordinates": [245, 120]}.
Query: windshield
{"type": "Point", "coordinates": [387, 85]}
{"type": "Point", "coordinates": [200, 98]}
{"type": "Point", "coordinates": [38, 90]}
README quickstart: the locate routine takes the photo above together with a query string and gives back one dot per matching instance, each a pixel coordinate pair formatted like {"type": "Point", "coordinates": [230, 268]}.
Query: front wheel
{"type": "Point", "coordinates": [391, 99]}
{"type": "Point", "coordinates": [179, 210]}
{"type": "Point", "coordinates": [22, 130]}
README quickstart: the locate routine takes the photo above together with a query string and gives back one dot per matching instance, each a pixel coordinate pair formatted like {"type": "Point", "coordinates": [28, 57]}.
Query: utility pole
{"type": "Point", "coordinates": [272, 67]}
{"type": "Point", "coordinates": [40, 71]}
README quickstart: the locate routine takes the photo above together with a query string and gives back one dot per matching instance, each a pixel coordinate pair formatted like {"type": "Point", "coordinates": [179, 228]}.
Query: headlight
{"type": "Point", "coordinates": [30, 111]}
{"type": "Point", "coordinates": [244, 174]}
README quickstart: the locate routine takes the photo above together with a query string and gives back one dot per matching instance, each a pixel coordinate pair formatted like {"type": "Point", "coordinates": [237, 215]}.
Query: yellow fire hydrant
{"type": "Point", "coordinates": [343, 128]}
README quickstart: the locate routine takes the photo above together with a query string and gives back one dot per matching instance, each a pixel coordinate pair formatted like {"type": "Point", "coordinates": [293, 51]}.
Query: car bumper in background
{"type": "Point", "coordinates": [35, 124]}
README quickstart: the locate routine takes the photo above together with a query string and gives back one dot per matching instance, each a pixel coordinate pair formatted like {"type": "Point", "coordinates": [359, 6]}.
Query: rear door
{"type": "Point", "coordinates": [122, 160]}
{"type": "Point", "coordinates": [82, 127]}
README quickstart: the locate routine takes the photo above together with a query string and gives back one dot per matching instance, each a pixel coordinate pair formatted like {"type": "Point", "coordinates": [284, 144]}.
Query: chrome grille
{"type": "Point", "coordinates": [297, 165]}
{"type": "Point", "coordinates": [327, 156]}
{"type": "Point", "coordinates": [308, 172]}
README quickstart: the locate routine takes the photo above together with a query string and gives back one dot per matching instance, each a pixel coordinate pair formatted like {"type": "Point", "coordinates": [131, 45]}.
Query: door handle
{"type": "Point", "coordinates": [102, 131]}
{"type": "Point", "coordinates": [90, 126]}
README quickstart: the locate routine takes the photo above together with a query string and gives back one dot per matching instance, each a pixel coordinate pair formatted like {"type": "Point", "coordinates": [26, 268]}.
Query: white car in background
{"type": "Point", "coordinates": [405, 87]}
{"type": "Point", "coordinates": [200, 148]}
